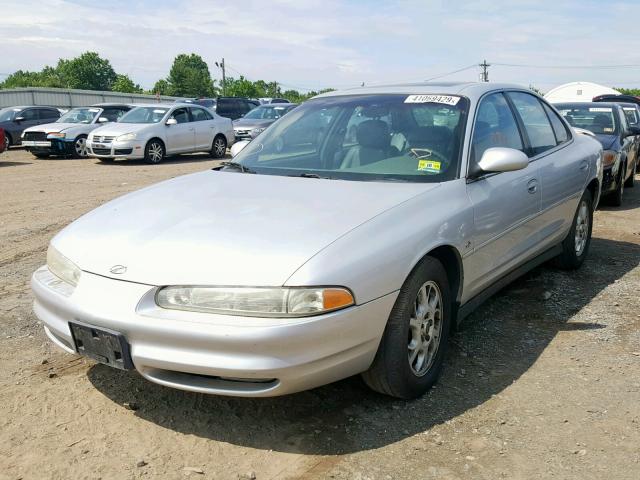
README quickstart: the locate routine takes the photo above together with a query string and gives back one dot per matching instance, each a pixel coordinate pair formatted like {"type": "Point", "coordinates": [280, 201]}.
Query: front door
{"type": "Point", "coordinates": [181, 137]}
{"type": "Point", "coordinates": [505, 205]}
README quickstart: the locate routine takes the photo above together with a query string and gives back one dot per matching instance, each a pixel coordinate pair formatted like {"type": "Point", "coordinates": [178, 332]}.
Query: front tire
{"type": "Point", "coordinates": [410, 355]}
{"type": "Point", "coordinates": [219, 147]}
{"type": "Point", "coordinates": [154, 152]}
{"type": "Point", "coordinates": [80, 149]}
{"type": "Point", "coordinates": [576, 244]}
{"type": "Point", "coordinates": [7, 141]}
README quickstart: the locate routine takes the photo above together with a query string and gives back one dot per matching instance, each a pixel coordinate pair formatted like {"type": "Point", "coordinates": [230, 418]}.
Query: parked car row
{"type": "Point", "coordinates": [229, 107]}
{"type": "Point", "coordinates": [350, 237]}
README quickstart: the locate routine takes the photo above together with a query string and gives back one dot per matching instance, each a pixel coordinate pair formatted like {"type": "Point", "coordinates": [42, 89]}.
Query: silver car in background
{"type": "Point", "coordinates": [152, 132]}
{"type": "Point", "coordinates": [68, 135]}
{"type": "Point", "coordinates": [257, 120]}
{"type": "Point", "coordinates": [350, 237]}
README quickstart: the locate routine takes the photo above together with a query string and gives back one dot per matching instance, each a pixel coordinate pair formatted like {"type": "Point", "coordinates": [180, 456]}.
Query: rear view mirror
{"type": "Point", "coordinates": [19, 119]}
{"type": "Point", "coordinates": [500, 159]}
{"type": "Point", "coordinates": [237, 147]}
{"type": "Point", "coordinates": [103, 120]}
{"type": "Point", "coordinates": [172, 121]}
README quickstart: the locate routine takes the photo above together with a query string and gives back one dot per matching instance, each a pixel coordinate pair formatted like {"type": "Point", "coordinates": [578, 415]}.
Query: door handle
{"type": "Point", "coordinates": [584, 166]}
{"type": "Point", "coordinates": [532, 186]}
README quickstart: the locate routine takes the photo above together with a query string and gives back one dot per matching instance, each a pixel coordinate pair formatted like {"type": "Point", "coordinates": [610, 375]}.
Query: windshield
{"type": "Point", "coordinates": [267, 112]}
{"type": "Point", "coordinates": [79, 115]}
{"type": "Point", "coordinates": [599, 120]}
{"type": "Point", "coordinates": [6, 114]}
{"type": "Point", "coordinates": [144, 115]}
{"type": "Point", "coordinates": [414, 138]}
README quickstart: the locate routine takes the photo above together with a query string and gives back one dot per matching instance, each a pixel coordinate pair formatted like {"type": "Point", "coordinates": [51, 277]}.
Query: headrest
{"type": "Point", "coordinates": [602, 121]}
{"type": "Point", "coordinates": [373, 134]}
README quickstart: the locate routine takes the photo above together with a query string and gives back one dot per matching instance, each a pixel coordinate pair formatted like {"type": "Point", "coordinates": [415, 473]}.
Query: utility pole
{"type": "Point", "coordinates": [224, 80]}
{"type": "Point", "coordinates": [484, 76]}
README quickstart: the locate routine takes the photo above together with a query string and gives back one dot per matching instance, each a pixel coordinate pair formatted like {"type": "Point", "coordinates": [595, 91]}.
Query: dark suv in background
{"type": "Point", "coordinates": [229, 107]}
{"type": "Point", "coordinates": [15, 119]}
{"type": "Point", "coordinates": [608, 122]}
{"type": "Point", "coordinates": [633, 114]}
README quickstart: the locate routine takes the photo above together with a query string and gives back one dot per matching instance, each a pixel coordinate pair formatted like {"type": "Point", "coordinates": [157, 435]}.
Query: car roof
{"type": "Point", "coordinates": [102, 105]}
{"type": "Point", "coordinates": [279, 104]}
{"type": "Point", "coordinates": [22, 107]}
{"type": "Point", "coordinates": [471, 89]}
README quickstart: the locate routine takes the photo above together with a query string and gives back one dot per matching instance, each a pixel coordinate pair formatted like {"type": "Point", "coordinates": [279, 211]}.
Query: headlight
{"type": "Point", "coordinates": [257, 131]}
{"type": "Point", "coordinates": [255, 301]}
{"type": "Point", "coordinates": [126, 137]}
{"type": "Point", "coordinates": [56, 135]}
{"type": "Point", "coordinates": [608, 158]}
{"type": "Point", "coordinates": [62, 267]}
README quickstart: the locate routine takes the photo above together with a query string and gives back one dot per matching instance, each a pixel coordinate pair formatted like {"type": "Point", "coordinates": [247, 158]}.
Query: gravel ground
{"type": "Point", "coordinates": [543, 382]}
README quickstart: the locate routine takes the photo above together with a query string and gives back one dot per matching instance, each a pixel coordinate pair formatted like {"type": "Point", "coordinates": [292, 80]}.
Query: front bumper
{"type": "Point", "coordinates": [609, 183]}
{"type": "Point", "coordinates": [218, 354]}
{"type": "Point", "coordinates": [116, 150]}
{"type": "Point", "coordinates": [54, 146]}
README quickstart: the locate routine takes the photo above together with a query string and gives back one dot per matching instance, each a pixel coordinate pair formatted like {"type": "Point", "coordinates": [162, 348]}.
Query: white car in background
{"type": "Point", "coordinates": [152, 132]}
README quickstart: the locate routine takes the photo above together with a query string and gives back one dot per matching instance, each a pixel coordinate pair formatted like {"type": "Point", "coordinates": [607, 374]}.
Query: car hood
{"type": "Point", "coordinates": [224, 228]}
{"type": "Point", "coordinates": [55, 127]}
{"type": "Point", "coordinates": [607, 141]}
{"type": "Point", "coordinates": [115, 129]}
{"type": "Point", "coordinates": [248, 123]}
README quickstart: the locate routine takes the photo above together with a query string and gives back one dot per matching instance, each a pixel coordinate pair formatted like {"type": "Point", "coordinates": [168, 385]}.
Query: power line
{"type": "Point", "coordinates": [599, 67]}
{"type": "Point", "coordinates": [451, 73]}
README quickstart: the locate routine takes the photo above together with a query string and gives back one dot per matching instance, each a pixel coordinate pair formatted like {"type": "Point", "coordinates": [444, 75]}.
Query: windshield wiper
{"type": "Point", "coordinates": [310, 175]}
{"type": "Point", "coordinates": [238, 166]}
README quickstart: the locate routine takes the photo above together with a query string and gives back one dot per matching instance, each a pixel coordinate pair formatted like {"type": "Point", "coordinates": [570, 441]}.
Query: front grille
{"type": "Point", "coordinates": [242, 133]}
{"type": "Point", "coordinates": [123, 151]}
{"type": "Point", "coordinates": [35, 136]}
{"type": "Point", "coordinates": [103, 139]}
{"type": "Point", "coordinates": [102, 151]}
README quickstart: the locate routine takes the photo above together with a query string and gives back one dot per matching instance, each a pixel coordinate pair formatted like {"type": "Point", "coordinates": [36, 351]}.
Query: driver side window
{"type": "Point", "coordinates": [495, 126]}
{"type": "Point", "coordinates": [181, 115]}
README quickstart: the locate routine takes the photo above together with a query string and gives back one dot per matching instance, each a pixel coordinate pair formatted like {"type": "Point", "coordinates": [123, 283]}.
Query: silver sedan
{"type": "Point", "coordinates": [351, 237]}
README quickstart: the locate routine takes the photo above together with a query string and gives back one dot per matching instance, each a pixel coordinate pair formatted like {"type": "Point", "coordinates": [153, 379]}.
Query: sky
{"type": "Point", "coordinates": [313, 44]}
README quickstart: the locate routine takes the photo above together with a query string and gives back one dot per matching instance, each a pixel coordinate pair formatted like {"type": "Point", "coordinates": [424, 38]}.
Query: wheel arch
{"type": "Point", "coordinates": [451, 260]}
{"type": "Point", "coordinates": [594, 188]}
{"type": "Point", "coordinates": [164, 145]}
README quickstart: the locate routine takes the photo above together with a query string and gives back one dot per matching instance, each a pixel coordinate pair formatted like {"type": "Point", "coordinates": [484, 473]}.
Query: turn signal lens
{"type": "Point", "coordinates": [608, 158]}
{"type": "Point", "coordinates": [334, 298]}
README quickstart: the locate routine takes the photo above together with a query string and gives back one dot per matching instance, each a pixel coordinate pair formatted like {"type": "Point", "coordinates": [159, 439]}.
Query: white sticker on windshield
{"type": "Point", "coordinates": [94, 109]}
{"type": "Point", "coordinates": [599, 109]}
{"type": "Point", "coordinates": [159, 111]}
{"type": "Point", "coordinates": [446, 99]}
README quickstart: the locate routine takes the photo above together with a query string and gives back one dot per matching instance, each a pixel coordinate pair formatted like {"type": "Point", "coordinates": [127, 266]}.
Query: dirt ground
{"type": "Point", "coordinates": [543, 382]}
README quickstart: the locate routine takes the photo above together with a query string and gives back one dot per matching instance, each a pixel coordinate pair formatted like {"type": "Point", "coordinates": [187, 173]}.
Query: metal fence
{"type": "Point", "coordinates": [68, 98]}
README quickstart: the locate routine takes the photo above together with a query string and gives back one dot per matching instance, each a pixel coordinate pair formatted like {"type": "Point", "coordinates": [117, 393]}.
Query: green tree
{"type": "Point", "coordinates": [629, 91]}
{"type": "Point", "coordinates": [189, 77]}
{"type": "Point", "coordinates": [48, 77]}
{"type": "Point", "coordinates": [161, 87]}
{"type": "Point", "coordinates": [242, 87]}
{"type": "Point", "coordinates": [88, 71]}
{"type": "Point", "coordinates": [124, 84]}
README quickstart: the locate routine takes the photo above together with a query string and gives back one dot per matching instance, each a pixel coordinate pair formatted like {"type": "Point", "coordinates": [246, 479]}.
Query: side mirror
{"type": "Point", "coordinates": [237, 147]}
{"type": "Point", "coordinates": [172, 121]}
{"type": "Point", "coordinates": [18, 119]}
{"type": "Point", "coordinates": [103, 120]}
{"type": "Point", "coordinates": [631, 131]}
{"type": "Point", "coordinates": [500, 159]}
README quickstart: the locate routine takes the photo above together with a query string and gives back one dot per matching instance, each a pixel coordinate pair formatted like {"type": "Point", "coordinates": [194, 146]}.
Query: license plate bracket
{"type": "Point", "coordinates": [103, 345]}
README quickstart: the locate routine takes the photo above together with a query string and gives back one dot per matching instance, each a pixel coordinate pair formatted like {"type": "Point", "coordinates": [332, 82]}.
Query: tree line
{"type": "Point", "coordinates": [189, 76]}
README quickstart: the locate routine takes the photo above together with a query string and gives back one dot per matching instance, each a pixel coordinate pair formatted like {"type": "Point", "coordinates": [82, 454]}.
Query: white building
{"type": "Point", "coordinates": [578, 92]}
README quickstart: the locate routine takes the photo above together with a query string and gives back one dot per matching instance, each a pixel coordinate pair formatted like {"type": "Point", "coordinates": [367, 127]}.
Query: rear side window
{"type": "Point", "coordinates": [536, 123]}
{"type": "Point", "coordinates": [48, 114]}
{"type": "Point", "coordinates": [199, 115]}
{"type": "Point", "coordinates": [495, 126]}
{"type": "Point", "coordinates": [558, 127]}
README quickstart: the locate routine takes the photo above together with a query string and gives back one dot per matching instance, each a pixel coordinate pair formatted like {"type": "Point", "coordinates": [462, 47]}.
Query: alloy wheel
{"type": "Point", "coordinates": [425, 328]}
{"type": "Point", "coordinates": [220, 147]}
{"type": "Point", "coordinates": [155, 152]}
{"type": "Point", "coordinates": [582, 228]}
{"type": "Point", "coordinates": [81, 147]}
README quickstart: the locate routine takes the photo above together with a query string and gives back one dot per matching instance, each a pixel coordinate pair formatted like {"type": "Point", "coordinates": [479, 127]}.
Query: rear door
{"type": "Point", "coordinates": [505, 205]}
{"type": "Point", "coordinates": [48, 115]}
{"type": "Point", "coordinates": [205, 128]}
{"type": "Point", "coordinates": [181, 137]}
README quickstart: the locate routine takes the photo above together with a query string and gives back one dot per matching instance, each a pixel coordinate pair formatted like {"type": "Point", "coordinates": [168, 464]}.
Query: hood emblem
{"type": "Point", "coordinates": [118, 269]}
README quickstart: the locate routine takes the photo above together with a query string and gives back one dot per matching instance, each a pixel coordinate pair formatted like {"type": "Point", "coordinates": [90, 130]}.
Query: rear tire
{"type": "Point", "coordinates": [154, 152]}
{"type": "Point", "coordinates": [576, 244]}
{"type": "Point", "coordinates": [219, 147]}
{"type": "Point", "coordinates": [410, 355]}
